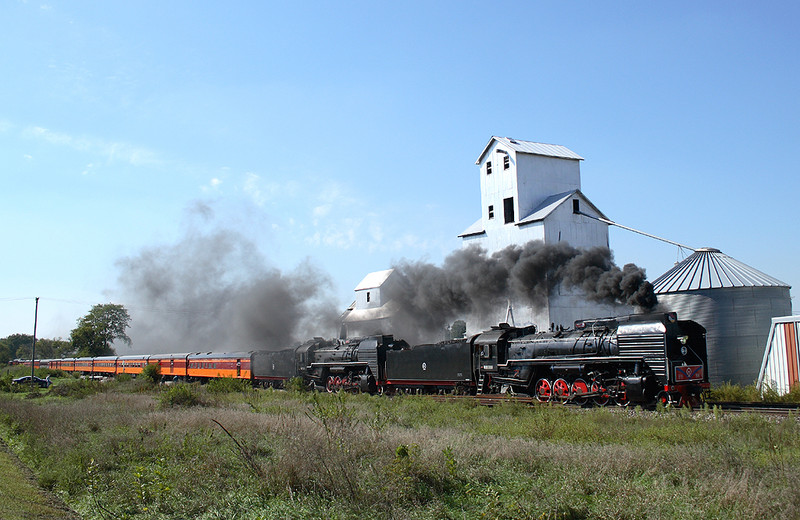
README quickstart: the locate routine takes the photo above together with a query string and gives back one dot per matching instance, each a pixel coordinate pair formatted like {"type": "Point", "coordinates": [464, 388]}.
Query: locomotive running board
{"type": "Point", "coordinates": [344, 364]}
{"type": "Point", "coordinates": [563, 360]}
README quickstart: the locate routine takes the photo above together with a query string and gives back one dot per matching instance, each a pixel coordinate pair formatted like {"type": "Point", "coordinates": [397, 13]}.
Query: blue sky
{"type": "Point", "coordinates": [344, 134]}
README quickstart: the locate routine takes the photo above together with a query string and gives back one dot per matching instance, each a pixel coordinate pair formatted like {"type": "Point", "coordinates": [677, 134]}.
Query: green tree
{"type": "Point", "coordinates": [5, 357]}
{"type": "Point", "coordinates": [46, 349]}
{"type": "Point", "coordinates": [16, 346]}
{"type": "Point", "coordinates": [104, 324]}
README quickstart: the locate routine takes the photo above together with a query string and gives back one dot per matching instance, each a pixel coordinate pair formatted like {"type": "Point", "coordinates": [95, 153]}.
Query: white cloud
{"type": "Point", "coordinates": [322, 211]}
{"type": "Point", "coordinates": [252, 187]}
{"type": "Point", "coordinates": [111, 151]}
{"type": "Point", "coordinates": [376, 232]}
{"type": "Point", "coordinates": [262, 192]}
{"type": "Point", "coordinates": [334, 194]}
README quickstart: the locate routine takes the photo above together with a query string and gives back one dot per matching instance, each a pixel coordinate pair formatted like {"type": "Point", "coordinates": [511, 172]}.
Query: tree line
{"type": "Point", "coordinates": [93, 336]}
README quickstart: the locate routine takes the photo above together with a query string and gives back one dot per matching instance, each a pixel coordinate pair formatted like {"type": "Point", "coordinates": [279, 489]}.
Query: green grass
{"type": "Point", "coordinates": [21, 498]}
{"type": "Point", "coordinates": [131, 452]}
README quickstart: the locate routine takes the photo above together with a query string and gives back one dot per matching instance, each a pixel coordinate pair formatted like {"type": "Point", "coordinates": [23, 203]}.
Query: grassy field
{"type": "Point", "coordinates": [22, 499]}
{"type": "Point", "coordinates": [131, 450]}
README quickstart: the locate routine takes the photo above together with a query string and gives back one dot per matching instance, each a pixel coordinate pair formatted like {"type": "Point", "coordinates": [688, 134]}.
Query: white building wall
{"type": "Point", "coordinates": [501, 237]}
{"type": "Point", "coordinates": [569, 305]}
{"type": "Point", "coordinates": [562, 225]}
{"type": "Point", "coordinates": [372, 294]}
{"type": "Point", "coordinates": [539, 177]}
{"type": "Point", "coordinates": [565, 306]}
{"type": "Point", "coordinates": [497, 186]}
{"type": "Point", "coordinates": [528, 181]}
{"type": "Point", "coordinates": [375, 290]}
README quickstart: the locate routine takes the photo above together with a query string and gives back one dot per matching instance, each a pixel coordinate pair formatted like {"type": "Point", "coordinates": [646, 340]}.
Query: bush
{"type": "Point", "coordinates": [182, 394]}
{"type": "Point", "coordinates": [793, 396]}
{"type": "Point", "coordinates": [228, 385]}
{"type": "Point", "coordinates": [77, 388]}
{"type": "Point", "coordinates": [729, 392]}
{"type": "Point", "coordinates": [151, 374]}
{"type": "Point", "coordinates": [296, 384]}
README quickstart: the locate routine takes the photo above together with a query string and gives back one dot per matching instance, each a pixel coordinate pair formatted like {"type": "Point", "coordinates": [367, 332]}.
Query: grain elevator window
{"type": "Point", "coordinates": [508, 209]}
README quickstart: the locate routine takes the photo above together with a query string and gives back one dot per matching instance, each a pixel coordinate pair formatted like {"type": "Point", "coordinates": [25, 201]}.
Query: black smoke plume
{"type": "Point", "coordinates": [472, 283]}
{"type": "Point", "coordinates": [212, 292]}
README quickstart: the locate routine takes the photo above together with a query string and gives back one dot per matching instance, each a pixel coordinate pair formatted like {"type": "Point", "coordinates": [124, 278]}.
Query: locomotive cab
{"type": "Point", "coordinates": [687, 362]}
{"type": "Point", "coordinates": [491, 352]}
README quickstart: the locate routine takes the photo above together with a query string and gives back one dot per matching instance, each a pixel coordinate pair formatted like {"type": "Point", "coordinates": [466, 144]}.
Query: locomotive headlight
{"type": "Point", "coordinates": [684, 350]}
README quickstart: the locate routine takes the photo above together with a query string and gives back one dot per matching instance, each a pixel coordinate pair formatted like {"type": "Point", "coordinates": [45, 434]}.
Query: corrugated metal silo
{"type": "Point", "coordinates": [733, 301]}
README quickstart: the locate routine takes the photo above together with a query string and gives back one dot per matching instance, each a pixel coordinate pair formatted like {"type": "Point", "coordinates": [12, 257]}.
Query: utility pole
{"type": "Point", "coordinates": [33, 347]}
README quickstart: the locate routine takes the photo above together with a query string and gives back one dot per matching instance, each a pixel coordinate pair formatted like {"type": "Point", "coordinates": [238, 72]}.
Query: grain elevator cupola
{"type": "Point", "coordinates": [532, 191]}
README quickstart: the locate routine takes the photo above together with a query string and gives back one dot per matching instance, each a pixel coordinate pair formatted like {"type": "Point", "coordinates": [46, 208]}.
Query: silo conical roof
{"type": "Point", "coordinates": [709, 268]}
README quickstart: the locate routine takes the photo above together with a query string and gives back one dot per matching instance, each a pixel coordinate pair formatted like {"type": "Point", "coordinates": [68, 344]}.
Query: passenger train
{"type": "Point", "coordinates": [640, 359]}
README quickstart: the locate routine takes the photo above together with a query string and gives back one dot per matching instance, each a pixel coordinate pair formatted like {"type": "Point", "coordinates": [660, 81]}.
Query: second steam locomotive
{"type": "Point", "coordinates": [637, 359]}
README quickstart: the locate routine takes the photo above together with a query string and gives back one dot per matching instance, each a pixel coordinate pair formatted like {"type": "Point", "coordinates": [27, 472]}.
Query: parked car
{"type": "Point", "coordinates": [26, 380]}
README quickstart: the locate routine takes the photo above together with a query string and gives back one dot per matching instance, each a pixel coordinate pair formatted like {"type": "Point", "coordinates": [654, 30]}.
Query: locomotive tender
{"type": "Point", "coordinates": [632, 359]}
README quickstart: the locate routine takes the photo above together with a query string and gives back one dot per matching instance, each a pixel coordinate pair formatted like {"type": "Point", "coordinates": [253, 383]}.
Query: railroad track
{"type": "Point", "coordinates": [490, 399]}
{"type": "Point", "coordinates": [775, 409]}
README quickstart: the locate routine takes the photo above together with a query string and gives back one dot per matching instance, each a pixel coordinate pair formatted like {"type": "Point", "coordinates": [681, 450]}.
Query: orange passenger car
{"type": "Point", "coordinates": [209, 365]}
{"type": "Point", "coordinates": [171, 366]}
{"type": "Point", "coordinates": [131, 364]}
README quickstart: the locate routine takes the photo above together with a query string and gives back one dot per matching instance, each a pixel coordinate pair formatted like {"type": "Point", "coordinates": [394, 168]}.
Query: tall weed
{"type": "Point", "coordinates": [182, 394]}
{"type": "Point", "coordinates": [227, 385]}
{"type": "Point", "coordinates": [76, 388]}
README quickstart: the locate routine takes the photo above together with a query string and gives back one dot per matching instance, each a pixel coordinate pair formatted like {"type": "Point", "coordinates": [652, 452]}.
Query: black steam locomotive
{"type": "Point", "coordinates": [632, 359]}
